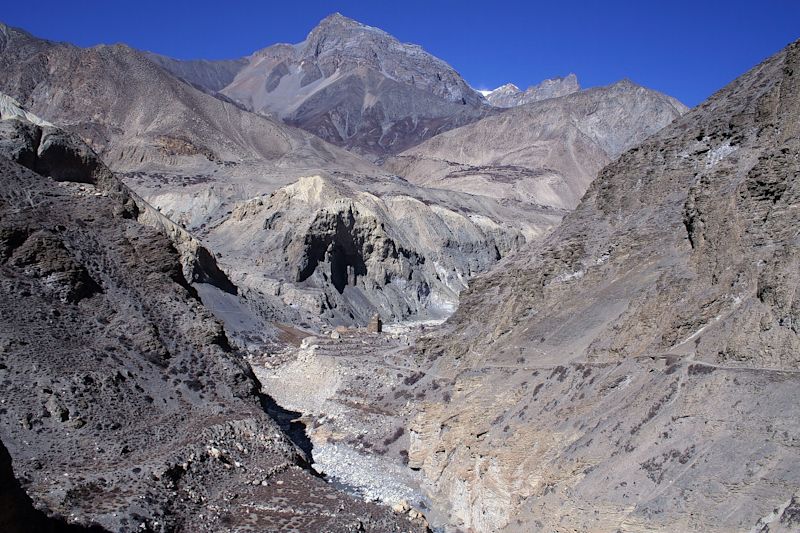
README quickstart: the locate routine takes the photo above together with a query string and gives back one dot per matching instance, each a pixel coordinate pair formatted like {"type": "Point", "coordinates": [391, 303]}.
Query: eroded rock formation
{"type": "Point", "coordinates": [347, 249]}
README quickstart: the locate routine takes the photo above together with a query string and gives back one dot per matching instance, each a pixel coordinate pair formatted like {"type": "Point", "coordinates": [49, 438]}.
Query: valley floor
{"type": "Point", "coordinates": [493, 447]}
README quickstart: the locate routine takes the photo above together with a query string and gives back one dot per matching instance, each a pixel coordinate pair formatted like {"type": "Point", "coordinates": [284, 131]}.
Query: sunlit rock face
{"type": "Point", "coordinates": [346, 250]}
{"type": "Point", "coordinates": [358, 87]}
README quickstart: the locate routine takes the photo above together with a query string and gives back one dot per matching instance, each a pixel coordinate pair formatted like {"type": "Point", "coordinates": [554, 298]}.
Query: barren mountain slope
{"type": "Point", "coordinates": [139, 118]}
{"type": "Point", "coordinates": [641, 367]}
{"type": "Point", "coordinates": [357, 87]}
{"type": "Point", "coordinates": [200, 160]}
{"type": "Point", "coordinates": [123, 406]}
{"type": "Point", "coordinates": [207, 75]}
{"type": "Point", "coordinates": [546, 152]}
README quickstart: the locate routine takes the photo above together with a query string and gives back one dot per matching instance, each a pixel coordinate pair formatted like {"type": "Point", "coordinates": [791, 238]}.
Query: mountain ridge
{"type": "Point", "coordinates": [509, 95]}
{"type": "Point", "coordinates": [545, 152]}
{"type": "Point", "coordinates": [354, 86]}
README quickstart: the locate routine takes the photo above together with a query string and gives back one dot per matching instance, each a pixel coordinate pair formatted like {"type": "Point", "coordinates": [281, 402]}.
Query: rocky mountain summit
{"type": "Point", "coordinates": [144, 120]}
{"type": "Point", "coordinates": [353, 85]}
{"type": "Point", "coordinates": [509, 95]}
{"type": "Point", "coordinates": [124, 407]}
{"type": "Point", "coordinates": [544, 153]}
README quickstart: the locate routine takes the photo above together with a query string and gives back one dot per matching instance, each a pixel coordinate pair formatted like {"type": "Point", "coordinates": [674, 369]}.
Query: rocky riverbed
{"type": "Point", "coordinates": [352, 390]}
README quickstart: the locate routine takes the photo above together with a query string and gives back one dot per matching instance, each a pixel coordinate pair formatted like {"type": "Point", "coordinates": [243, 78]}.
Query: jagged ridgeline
{"type": "Point", "coordinates": [509, 95]}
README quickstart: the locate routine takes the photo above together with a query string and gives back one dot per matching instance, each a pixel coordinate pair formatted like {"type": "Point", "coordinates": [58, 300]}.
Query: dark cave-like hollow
{"type": "Point", "coordinates": [342, 249]}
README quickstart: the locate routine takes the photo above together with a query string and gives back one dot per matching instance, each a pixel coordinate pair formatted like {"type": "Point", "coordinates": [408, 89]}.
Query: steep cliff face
{"type": "Point", "coordinates": [545, 153]}
{"type": "Point", "coordinates": [641, 368]}
{"type": "Point", "coordinates": [336, 249]}
{"type": "Point", "coordinates": [702, 216]}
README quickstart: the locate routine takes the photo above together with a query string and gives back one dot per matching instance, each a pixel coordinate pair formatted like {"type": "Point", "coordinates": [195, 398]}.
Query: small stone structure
{"type": "Point", "coordinates": [375, 324]}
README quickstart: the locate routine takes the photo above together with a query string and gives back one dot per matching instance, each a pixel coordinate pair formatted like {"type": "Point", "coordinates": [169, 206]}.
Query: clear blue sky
{"type": "Point", "coordinates": [687, 49]}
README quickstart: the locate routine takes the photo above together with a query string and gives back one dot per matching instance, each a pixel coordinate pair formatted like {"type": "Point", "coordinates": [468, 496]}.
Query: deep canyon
{"type": "Point", "coordinates": [329, 286]}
